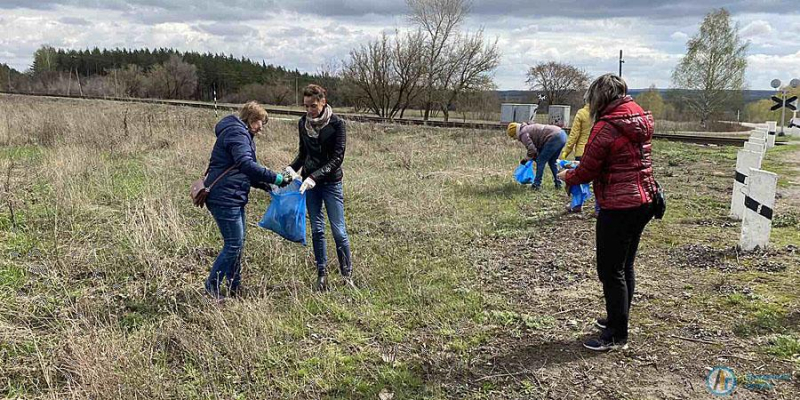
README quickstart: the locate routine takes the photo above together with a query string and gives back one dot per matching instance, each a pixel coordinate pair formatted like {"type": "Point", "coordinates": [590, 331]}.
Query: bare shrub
{"type": "Point", "coordinates": [48, 133]}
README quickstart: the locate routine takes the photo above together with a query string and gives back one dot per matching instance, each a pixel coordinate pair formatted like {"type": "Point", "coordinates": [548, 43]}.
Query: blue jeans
{"type": "Point", "coordinates": [549, 155]}
{"type": "Point", "coordinates": [332, 195]}
{"type": "Point", "coordinates": [228, 264]}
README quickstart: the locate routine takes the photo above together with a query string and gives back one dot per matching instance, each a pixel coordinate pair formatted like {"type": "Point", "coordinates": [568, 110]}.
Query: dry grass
{"type": "Point", "coordinates": [470, 286]}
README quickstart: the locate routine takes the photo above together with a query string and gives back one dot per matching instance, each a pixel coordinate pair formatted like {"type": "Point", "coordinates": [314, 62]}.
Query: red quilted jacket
{"type": "Point", "coordinates": [617, 158]}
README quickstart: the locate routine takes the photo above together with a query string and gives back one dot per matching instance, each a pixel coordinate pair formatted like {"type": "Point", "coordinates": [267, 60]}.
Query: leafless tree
{"type": "Point", "coordinates": [174, 79]}
{"type": "Point", "coordinates": [481, 104]}
{"type": "Point", "coordinates": [408, 70]}
{"type": "Point", "coordinates": [130, 80]}
{"type": "Point", "coordinates": [439, 20]}
{"type": "Point", "coordinates": [431, 65]}
{"type": "Point", "coordinates": [558, 81]}
{"type": "Point", "coordinates": [386, 73]}
{"type": "Point", "coordinates": [368, 70]}
{"type": "Point", "coordinates": [714, 65]}
{"type": "Point", "coordinates": [468, 64]}
{"type": "Point", "coordinates": [280, 93]}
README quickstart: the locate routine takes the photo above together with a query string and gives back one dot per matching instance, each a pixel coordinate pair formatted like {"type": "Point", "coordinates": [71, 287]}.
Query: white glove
{"type": "Point", "coordinates": [291, 172]}
{"type": "Point", "coordinates": [307, 184]}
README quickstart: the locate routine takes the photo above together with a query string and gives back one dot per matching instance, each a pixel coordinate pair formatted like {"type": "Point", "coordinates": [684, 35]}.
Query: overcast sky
{"type": "Point", "coordinates": [309, 34]}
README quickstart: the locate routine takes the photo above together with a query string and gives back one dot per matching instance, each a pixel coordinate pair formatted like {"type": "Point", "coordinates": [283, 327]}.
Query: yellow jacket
{"type": "Point", "coordinates": [579, 134]}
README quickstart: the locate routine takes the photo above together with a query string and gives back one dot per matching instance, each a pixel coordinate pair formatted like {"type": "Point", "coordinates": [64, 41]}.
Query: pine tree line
{"type": "Point", "coordinates": [226, 74]}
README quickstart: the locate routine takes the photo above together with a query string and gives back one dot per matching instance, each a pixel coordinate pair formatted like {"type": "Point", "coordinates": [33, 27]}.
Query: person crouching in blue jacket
{"type": "Point", "coordinates": [235, 152]}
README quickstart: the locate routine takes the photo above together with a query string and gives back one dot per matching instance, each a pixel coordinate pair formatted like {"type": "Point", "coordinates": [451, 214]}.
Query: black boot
{"type": "Point", "coordinates": [322, 284]}
{"type": "Point", "coordinates": [348, 280]}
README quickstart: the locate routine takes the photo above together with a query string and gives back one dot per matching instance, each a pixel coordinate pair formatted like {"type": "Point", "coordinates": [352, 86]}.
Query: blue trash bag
{"type": "Point", "coordinates": [286, 214]}
{"type": "Point", "coordinates": [567, 164]}
{"type": "Point", "coordinates": [579, 195]}
{"type": "Point", "coordinates": [524, 173]}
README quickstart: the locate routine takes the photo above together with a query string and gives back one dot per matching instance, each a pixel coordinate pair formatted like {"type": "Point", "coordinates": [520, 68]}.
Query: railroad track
{"type": "Point", "coordinates": [703, 139]}
{"type": "Point", "coordinates": [698, 139]}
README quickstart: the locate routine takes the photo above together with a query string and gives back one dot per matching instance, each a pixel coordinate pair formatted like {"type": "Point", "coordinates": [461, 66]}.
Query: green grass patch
{"type": "Point", "coordinates": [11, 277]}
{"type": "Point", "coordinates": [785, 346]}
{"type": "Point", "coordinates": [24, 154]}
{"type": "Point", "coordinates": [513, 319]}
{"type": "Point", "coordinates": [758, 316]}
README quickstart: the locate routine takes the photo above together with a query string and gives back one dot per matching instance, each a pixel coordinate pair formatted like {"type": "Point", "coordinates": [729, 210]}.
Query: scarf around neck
{"type": "Point", "coordinates": [315, 125]}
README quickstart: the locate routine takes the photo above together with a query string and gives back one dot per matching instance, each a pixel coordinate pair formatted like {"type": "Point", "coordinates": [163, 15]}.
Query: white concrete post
{"type": "Point", "coordinates": [772, 127]}
{"type": "Point", "coordinates": [755, 147]}
{"type": "Point", "coordinates": [758, 205]}
{"type": "Point", "coordinates": [744, 161]}
{"type": "Point", "coordinates": [760, 142]}
{"type": "Point", "coordinates": [759, 133]}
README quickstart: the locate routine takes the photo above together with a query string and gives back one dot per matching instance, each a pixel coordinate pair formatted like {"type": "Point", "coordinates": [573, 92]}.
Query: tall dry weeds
{"type": "Point", "coordinates": [120, 256]}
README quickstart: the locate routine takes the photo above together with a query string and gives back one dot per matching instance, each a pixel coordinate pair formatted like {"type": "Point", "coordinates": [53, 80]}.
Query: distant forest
{"type": "Point", "coordinates": [226, 74]}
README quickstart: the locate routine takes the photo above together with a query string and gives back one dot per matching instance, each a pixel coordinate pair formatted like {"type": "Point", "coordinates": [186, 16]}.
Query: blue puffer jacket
{"type": "Point", "coordinates": [235, 145]}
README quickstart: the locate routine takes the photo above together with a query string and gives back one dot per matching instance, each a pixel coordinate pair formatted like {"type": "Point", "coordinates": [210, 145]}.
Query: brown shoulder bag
{"type": "Point", "coordinates": [198, 190]}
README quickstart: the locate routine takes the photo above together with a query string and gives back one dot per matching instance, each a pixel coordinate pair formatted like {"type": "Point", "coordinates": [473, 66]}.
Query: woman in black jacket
{"type": "Point", "coordinates": [319, 159]}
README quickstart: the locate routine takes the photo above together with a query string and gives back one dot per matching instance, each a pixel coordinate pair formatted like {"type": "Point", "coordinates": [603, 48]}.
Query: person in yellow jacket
{"type": "Point", "coordinates": [576, 142]}
{"type": "Point", "coordinates": [578, 135]}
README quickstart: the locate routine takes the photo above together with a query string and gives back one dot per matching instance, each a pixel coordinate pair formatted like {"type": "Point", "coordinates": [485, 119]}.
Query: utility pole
{"type": "Point", "coordinates": [69, 82]}
{"type": "Point", "coordinates": [783, 111]}
{"type": "Point", "coordinates": [296, 98]}
{"type": "Point", "coordinates": [214, 89]}
{"type": "Point", "coordinates": [80, 87]}
{"type": "Point", "coordinates": [621, 61]}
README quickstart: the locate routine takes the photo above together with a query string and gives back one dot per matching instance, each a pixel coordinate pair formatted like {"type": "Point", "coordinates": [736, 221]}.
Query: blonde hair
{"type": "Point", "coordinates": [604, 90]}
{"type": "Point", "coordinates": [252, 111]}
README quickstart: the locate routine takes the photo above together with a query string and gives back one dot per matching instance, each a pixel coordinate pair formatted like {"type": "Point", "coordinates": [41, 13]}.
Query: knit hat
{"type": "Point", "coordinates": [512, 130]}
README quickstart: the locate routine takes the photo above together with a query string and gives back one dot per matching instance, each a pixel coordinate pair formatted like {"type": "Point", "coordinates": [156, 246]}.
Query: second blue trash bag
{"type": "Point", "coordinates": [579, 195]}
{"type": "Point", "coordinates": [286, 214]}
{"type": "Point", "coordinates": [524, 173]}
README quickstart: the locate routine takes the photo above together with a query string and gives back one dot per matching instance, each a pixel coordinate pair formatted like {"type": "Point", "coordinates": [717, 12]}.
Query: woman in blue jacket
{"type": "Point", "coordinates": [235, 152]}
{"type": "Point", "coordinates": [320, 155]}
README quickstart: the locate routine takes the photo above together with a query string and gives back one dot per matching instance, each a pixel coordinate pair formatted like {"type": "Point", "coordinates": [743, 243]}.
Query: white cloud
{"type": "Point", "coordinates": [296, 39]}
{"type": "Point", "coordinates": [763, 68]}
{"type": "Point", "coordinates": [755, 29]}
{"type": "Point", "coordinates": [226, 29]}
{"type": "Point", "coordinates": [679, 36]}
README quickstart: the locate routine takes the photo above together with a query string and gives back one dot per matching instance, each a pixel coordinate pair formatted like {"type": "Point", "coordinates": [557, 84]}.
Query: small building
{"type": "Point", "coordinates": [517, 112]}
{"type": "Point", "coordinates": [559, 115]}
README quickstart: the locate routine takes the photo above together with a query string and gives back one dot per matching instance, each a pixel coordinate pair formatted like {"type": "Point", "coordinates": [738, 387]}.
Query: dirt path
{"type": "Point", "coordinates": [681, 326]}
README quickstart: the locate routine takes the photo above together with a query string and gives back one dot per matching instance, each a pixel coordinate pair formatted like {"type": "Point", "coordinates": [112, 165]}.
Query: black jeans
{"type": "Point", "coordinates": [618, 234]}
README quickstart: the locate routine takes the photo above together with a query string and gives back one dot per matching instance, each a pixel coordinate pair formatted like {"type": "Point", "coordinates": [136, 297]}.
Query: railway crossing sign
{"type": "Point", "coordinates": [783, 102]}
{"type": "Point", "coordinates": [790, 103]}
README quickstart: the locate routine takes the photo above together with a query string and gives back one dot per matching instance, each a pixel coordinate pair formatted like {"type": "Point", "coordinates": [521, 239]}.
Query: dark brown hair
{"type": "Point", "coordinates": [316, 91]}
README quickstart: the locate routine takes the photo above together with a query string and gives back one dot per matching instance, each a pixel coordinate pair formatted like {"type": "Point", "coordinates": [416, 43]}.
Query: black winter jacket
{"type": "Point", "coordinates": [321, 158]}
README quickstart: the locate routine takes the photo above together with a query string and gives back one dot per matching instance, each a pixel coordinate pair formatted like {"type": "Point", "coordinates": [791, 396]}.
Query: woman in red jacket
{"type": "Point", "coordinates": [617, 159]}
